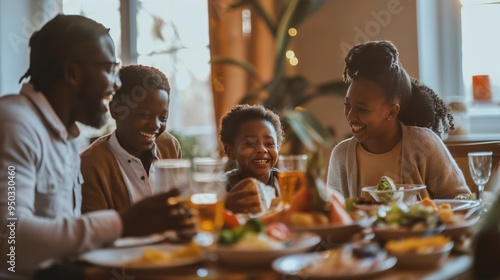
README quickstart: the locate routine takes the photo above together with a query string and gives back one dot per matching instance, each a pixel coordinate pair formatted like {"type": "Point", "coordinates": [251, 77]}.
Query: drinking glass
{"type": "Point", "coordinates": [170, 174]}
{"type": "Point", "coordinates": [480, 170]}
{"type": "Point", "coordinates": [207, 198]}
{"type": "Point", "coordinates": [291, 175]}
{"type": "Point", "coordinates": [209, 165]}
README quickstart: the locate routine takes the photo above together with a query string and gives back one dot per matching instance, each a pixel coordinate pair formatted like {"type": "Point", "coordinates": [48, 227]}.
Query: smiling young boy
{"type": "Point", "coordinates": [117, 167]}
{"type": "Point", "coordinates": [252, 136]}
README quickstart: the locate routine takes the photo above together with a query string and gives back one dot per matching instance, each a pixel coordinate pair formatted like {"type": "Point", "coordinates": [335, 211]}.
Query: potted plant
{"type": "Point", "coordinates": [287, 94]}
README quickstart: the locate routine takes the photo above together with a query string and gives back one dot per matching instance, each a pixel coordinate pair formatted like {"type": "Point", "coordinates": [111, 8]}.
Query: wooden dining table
{"type": "Point", "coordinates": [455, 267]}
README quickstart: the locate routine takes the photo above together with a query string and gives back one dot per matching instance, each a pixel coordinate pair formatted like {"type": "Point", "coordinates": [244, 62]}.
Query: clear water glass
{"type": "Point", "coordinates": [480, 170]}
{"type": "Point", "coordinates": [170, 174]}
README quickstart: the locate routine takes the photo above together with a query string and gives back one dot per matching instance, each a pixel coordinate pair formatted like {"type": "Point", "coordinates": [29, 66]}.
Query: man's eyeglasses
{"type": "Point", "coordinates": [115, 66]}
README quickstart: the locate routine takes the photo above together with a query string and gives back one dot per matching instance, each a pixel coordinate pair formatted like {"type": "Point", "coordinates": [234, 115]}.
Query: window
{"type": "Point", "coordinates": [457, 40]}
{"type": "Point", "coordinates": [480, 44]}
{"type": "Point", "coordinates": [481, 56]}
{"type": "Point", "coordinates": [173, 37]}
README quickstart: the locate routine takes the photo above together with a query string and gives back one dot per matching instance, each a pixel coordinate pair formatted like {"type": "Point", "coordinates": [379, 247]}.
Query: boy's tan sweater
{"type": "Point", "coordinates": [103, 186]}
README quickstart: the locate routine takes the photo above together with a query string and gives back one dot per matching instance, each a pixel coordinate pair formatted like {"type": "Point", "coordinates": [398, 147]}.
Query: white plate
{"type": "Point", "coordinates": [299, 243]}
{"type": "Point", "coordinates": [120, 257]}
{"type": "Point", "coordinates": [457, 205]}
{"type": "Point", "coordinates": [138, 241]}
{"type": "Point", "coordinates": [383, 233]}
{"type": "Point", "coordinates": [293, 265]}
{"type": "Point", "coordinates": [335, 234]}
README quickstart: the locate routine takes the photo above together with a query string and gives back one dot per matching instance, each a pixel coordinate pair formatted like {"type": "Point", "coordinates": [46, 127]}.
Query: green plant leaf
{"type": "Point", "coordinates": [307, 128]}
{"type": "Point", "coordinates": [282, 37]}
{"type": "Point", "coordinates": [295, 122]}
{"type": "Point", "coordinates": [335, 88]}
{"type": "Point", "coordinates": [295, 11]}
{"type": "Point", "coordinates": [318, 131]}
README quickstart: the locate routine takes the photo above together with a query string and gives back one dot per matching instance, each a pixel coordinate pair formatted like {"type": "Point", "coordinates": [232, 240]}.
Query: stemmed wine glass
{"type": "Point", "coordinates": [480, 170]}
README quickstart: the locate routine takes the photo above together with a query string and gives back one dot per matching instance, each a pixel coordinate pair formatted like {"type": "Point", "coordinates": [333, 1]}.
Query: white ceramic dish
{"type": "Point", "coordinates": [423, 260]}
{"type": "Point", "coordinates": [299, 243]}
{"type": "Point", "coordinates": [361, 269]}
{"type": "Point", "coordinates": [120, 257]}
{"type": "Point", "coordinates": [139, 241]}
{"type": "Point", "coordinates": [383, 233]}
{"type": "Point", "coordinates": [335, 234]}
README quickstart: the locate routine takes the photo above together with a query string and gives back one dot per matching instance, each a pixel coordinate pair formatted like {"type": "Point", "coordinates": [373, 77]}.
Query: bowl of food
{"type": "Point", "coordinates": [388, 192]}
{"type": "Point", "coordinates": [420, 252]}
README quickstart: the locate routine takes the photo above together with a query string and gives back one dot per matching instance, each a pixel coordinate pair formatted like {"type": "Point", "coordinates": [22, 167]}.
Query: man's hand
{"type": "Point", "coordinates": [154, 214]}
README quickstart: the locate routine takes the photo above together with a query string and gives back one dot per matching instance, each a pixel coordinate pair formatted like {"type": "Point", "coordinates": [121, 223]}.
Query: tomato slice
{"type": "Point", "coordinates": [230, 220]}
{"type": "Point", "coordinates": [278, 231]}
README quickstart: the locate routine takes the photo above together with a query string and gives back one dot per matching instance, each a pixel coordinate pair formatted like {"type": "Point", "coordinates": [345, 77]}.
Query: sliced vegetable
{"type": "Point", "coordinates": [278, 231]}
{"type": "Point", "coordinates": [254, 225]}
{"type": "Point", "coordinates": [230, 220]}
{"type": "Point", "coordinates": [232, 235]}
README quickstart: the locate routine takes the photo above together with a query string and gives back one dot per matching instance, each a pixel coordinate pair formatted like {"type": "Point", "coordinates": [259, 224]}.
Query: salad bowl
{"type": "Point", "coordinates": [406, 193]}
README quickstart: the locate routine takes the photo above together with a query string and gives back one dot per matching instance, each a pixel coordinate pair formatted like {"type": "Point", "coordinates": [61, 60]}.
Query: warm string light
{"type": "Point", "coordinates": [292, 59]}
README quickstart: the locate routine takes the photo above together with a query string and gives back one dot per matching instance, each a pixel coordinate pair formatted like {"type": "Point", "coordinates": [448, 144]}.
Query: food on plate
{"type": "Point", "coordinates": [258, 242]}
{"type": "Point", "coordinates": [401, 215]}
{"type": "Point", "coordinates": [471, 196]}
{"type": "Point", "coordinates": [343, 261]}
{"type": "Point", "coordinates": [278, 231]}
{"type": "Point", "coordinates": [302, 212]}
{"type": "Point", "coordinates": [444, 211]}
{"type": "Point", "coordinates": [230, 220]}
{"type": "Point", "coordinates": [255, 235]}
{"type": "Point", "coordinates": [265, 193]}
{"type": "Point", "coordinates": [155, 256]}
{"type": "Point", "coordinates": [337, 211]}
{"type": "Point", "coordinates": [429, 203]}
{"type": "Point", "coordinates": [420, 245]}
{"type": "Point", "coordinates": [305, 219]}
{"type": "Point", "coordinates": [423, 215]}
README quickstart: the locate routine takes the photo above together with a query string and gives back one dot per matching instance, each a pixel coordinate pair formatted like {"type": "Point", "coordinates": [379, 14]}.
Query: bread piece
{"type": "Point", "coordinates": [265, 193]}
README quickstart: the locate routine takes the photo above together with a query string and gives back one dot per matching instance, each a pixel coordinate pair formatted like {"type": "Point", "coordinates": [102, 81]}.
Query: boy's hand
{"type": "Point", "coordinates": [240, 200]}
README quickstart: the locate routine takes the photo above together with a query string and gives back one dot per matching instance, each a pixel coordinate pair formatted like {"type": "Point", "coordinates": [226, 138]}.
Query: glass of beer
{"type": "Point", "coordinates": [291, 175]}
{"type": "Point", "coordinates": [207, 198]}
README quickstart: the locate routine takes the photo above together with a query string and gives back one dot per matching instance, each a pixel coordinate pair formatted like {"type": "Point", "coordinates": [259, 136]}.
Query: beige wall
{"type": "Point", "coordinates": [325, 37]}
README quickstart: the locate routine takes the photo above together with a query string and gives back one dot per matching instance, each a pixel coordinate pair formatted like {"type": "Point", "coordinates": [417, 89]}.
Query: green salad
{"type": "Point", "coordinates": [400, 215]}
{"type": "Point", "coordinates": [386, 184]}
